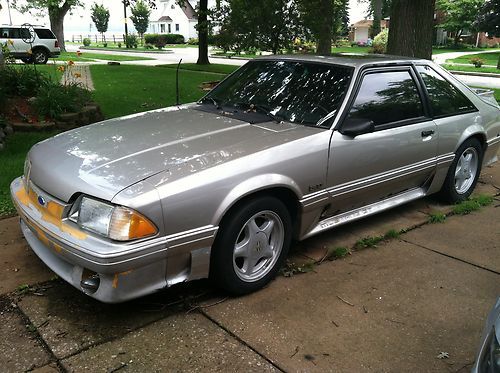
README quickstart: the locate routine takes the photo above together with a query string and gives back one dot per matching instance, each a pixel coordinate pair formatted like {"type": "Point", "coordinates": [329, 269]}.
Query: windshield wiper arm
{"type": "Point", "coordinates": [213, 100]}
{"type": "Point", "coordinates": [262, 109]}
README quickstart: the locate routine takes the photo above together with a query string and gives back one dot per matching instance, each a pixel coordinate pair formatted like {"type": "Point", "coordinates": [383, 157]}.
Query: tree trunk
{"type": "Point", "coordinates": [56, 16]}
{"type": "Point", "coordinates": [411, 28]}
{"type": "Point", "coordinates": [377, 17]}
{"type": "Point", "coordinates": [324, 39]}
{"type": "Point", "coordinates": [203, 34]}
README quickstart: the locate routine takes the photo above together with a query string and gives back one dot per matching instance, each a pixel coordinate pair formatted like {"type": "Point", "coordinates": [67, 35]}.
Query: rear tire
{"type": "Point", "coordinates": [40, 56]}
{"type": "Point", "coordinates": [252, 242]}
{"type": "Point", "coordinates": [463, 172]}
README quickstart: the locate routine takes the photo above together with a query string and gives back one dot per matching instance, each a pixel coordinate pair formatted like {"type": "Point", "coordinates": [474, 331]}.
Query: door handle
{"type": "Point", "coordinates": [427, 133]}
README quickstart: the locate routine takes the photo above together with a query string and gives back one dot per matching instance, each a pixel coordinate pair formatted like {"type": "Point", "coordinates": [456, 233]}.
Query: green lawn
{"type": "Point", "coordinates": [87, 56]}
{"type": "Point", "coordinates": [213, 68]}
{"type": "Point", "coordinates": [122, 90]}
{"type": "Point", "coordinates": [471, 68]}
{"type": "Point", "coordinates": [12, 162]}
{"type": "Point", "coordinates": [488, 58]}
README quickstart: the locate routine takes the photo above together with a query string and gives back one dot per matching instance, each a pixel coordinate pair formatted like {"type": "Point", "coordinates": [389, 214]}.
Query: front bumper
{"type": "Point", "coordinates": [126, 270]}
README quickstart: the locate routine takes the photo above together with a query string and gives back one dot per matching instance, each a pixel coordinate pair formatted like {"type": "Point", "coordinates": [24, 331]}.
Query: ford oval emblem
{"type": "Point", "coordinates": [42, 201]}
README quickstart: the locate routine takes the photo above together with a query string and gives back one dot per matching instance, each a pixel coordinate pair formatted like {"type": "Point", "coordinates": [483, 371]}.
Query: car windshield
{"type": "Point", "coordinates": [297, 92]}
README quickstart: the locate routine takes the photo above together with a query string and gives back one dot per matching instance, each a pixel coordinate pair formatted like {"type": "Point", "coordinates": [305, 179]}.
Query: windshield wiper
{"type": "Point", "coordinates": [253, 108]}
{"type": "Point", "coordinates": [213, 101]}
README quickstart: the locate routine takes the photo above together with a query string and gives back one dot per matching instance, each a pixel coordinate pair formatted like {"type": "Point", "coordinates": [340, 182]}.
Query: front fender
{"type": "Point", "coordinates": [253, 185]}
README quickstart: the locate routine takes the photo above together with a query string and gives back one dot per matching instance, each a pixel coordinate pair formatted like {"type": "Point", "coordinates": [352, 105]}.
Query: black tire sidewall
{"type": "Point", "coordinates": [448, 192]}
{"type": "Point", "coordinates": [45, 54]}
{"type": "Point", "coordinates": [221, 261]}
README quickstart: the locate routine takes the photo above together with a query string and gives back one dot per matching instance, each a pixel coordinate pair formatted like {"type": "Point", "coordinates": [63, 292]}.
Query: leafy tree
{"type": "Point", "coordinates": [488, 20]}
{"type": "Point", "coordinates": [56, 9]}
{"type": "Point", "coordinates": [100, 17]}
{"type": "Point", "coordinates": [257, 24]}
{"type": "Point", "coordinates": [127, 3]}
{"type": "Point", "coordinates": [140, 17]}
{"type": "Point", "coordinates": [460, 15]}
{"type": "Point", "coordinates": [412, 28]}
{"type": "Point", "coordinates": [323, 20]}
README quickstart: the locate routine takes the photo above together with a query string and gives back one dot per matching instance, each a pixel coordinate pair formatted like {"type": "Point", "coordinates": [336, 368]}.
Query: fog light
{"type": "Point", "coordinates": [90, 281]}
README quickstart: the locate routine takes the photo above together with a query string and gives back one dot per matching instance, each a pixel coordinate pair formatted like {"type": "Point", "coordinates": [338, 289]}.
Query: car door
{"type": "Point", "coordinates": [397, 155]}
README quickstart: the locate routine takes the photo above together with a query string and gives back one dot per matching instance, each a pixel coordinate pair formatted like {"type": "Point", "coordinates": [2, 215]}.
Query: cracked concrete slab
{"type": "Point", "coordinates": [70, 321]}
{"type": "Point", "coordinates": [18, 264]}
{"type": "Point", "coordinates": [394, 308]}
{"type": "Point", "coordinates": [176, 344]}
{"type": "Point", "coordinates": [19, 349]}
{"type": "Point", "coordinates": [477, 243]}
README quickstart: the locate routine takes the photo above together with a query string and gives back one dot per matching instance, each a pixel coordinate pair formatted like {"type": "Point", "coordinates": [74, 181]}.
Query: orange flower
{"type": "Point", "coordinates": [10, 42]}
{"type": "Point", "coordinates": [78, 53]}
{"type": "Point", "coordinates": [71, 63]}
{"type": "Point", "coordinates": [61, 68]}
{"type": "Point", "coordinates": [77, 75]}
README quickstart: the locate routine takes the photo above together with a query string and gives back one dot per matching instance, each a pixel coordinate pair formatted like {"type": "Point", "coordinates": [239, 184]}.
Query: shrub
{"type": "Point", "coordinates": [119, 45]}
{"type": "Point", "coordinates": [105, 44]}
{"type": "Point", "coordinates": [131, 41]}
{"type": "Point", "coordinates": [55, 99]}
{"type": "Point", "coordinates": [86, 42]}
{"type": "Point", "coordinates": [192, 41]}
{"type": "Point", "coordinates": [477, 62]}
{"type": "Point", "coordinates": [380, 42]}
{"type": "Point", "coordinates": [160, 40]}
{"type": "Point", "coordinates": [342, 43]}
{"type": "Point", "coordinates": [149, 46]}
{"type": "Point", "coordinates": [30, 81]}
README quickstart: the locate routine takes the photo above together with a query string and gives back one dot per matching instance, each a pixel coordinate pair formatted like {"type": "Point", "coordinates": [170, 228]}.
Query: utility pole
{"type": "Point", "coordinates": [125, 3]}
{"type": "Point", "coordinates": [8, 9]}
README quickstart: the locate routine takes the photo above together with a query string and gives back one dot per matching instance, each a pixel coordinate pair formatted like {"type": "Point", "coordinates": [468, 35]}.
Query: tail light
{"type": "Point", "coordinates": [57, 44]}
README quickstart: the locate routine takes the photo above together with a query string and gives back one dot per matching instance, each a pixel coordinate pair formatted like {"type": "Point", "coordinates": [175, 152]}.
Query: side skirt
{"type": "Point", "coordinates": [365, 211]}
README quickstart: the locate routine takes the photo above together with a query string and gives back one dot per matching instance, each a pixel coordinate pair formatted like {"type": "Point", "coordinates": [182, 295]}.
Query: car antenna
{"type": "Point", "coordinates": [177, 101]}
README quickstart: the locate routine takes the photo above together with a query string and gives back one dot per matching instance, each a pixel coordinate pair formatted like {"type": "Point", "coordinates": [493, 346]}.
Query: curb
{"type": "Point", "coordinates": [491, 75]}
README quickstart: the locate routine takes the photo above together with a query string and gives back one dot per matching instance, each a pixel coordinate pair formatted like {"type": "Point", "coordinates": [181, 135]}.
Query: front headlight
{"type": "Point", "coordinates": [115, 222]}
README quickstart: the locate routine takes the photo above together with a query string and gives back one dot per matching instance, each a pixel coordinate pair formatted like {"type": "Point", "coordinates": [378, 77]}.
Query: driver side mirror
{"type": "Point", "coordinates": [353, 127]}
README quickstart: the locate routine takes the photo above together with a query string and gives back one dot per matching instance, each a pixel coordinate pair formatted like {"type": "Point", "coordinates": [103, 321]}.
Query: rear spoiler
{"type": "Point", "coordinates": [486, 95]}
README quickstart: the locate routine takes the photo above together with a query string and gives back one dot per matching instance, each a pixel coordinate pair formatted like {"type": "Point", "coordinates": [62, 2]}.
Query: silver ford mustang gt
{"type": "Point", "coordinates": [284, 148]}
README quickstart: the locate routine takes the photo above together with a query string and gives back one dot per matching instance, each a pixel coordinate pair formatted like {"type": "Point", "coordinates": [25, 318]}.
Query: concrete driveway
{"type": "Point", "coordinates": [395, 307]}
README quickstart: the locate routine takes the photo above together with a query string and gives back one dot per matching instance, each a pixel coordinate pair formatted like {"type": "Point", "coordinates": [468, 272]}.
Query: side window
{"type": "Point", "coordinates": [15, 33]}
{"type": "Point", "coordinates": [387, 97]}
{"type": "Point", "coordinates": [444, 98]}
{"type": "Point", "coordinates": [44, 33]}
{"type": "Point", "coordinates": [4, 33]}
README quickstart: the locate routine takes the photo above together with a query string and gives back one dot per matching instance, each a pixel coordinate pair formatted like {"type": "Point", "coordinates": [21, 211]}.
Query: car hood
{"type": "Point", "coordinates": [104, 158]}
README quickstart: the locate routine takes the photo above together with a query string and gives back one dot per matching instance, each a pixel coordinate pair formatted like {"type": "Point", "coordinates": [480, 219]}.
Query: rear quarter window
{"type": "Point", "coordinates": [44, 33]}
{"type": "Point", "coordinates": [444, 98]}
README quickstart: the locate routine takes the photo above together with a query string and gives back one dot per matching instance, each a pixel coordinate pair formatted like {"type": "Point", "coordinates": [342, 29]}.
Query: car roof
{"type": "Point", "coordinates": [347, 59]}
{"type": "Point", "coordinates": [37, 26]}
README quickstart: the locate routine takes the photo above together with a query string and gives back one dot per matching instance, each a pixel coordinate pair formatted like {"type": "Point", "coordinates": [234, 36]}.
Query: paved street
{"type": "Point", "coordinates": [392, 308]}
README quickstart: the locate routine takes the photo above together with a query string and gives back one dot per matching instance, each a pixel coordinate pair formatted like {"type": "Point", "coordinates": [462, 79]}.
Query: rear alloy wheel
{"type": "Point", "coordinates": [251, 245]}
{"type": "Point", "coordinates": [464, 172]}
{"type": "Point", "coordinates": [40, 56]}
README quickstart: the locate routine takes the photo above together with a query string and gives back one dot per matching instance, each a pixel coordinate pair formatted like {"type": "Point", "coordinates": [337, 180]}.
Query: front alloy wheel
{"type": "Point", "coordinates": [252, 242]}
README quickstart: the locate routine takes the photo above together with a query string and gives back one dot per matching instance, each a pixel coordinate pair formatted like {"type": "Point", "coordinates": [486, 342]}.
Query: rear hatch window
{"type": "Point", "coordinates": [44, 33]}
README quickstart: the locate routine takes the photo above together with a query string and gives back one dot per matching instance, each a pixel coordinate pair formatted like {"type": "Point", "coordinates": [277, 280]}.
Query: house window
{"type": "Point", "coordinates": [169, 28]}
{"type": "Point", "coordinates": [162, 28]}
{"type": "Point", "coordinates": [176, 27]}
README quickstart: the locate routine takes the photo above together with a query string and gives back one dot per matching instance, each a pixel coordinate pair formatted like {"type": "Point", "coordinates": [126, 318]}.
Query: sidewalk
{"type": "Point", "coordinates": [391, 308]}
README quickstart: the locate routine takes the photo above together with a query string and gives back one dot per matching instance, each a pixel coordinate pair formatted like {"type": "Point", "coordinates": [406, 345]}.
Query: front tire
{"type": "Point", "coordinates": [464, 172]}
{"type": "Point", "coordinates": [251, 245]}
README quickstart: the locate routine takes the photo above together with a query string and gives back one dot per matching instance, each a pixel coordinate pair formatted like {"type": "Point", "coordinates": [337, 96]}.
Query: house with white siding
{"type": "Point", "coordinates": [170, 18]}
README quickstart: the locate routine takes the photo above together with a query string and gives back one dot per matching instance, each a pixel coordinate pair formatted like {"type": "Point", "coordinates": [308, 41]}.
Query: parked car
{"type": "Point", "coordinates": [488, 355]}
{"type": "Point", "coordinates": [44, 43]}
{"type": "Point", "coordinates": [285, 147]}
